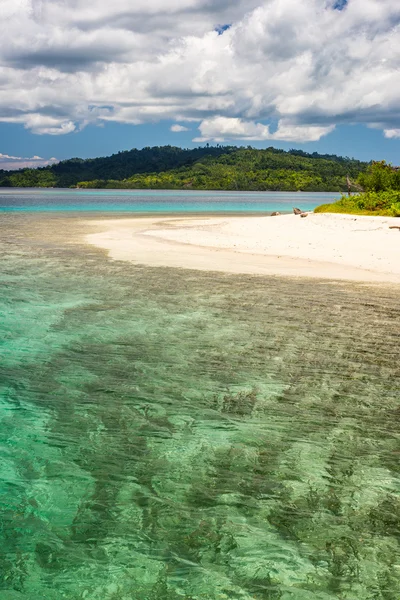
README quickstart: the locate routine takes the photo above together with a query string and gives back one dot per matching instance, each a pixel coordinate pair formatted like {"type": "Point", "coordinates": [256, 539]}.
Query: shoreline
{"type": "Point", "coordinates": [323, 246]}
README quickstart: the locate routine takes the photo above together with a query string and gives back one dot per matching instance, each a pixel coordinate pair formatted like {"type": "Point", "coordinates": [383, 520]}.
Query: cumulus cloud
{"type": "Point", "coordinates": [392, 133]}
{"type": "Point", "coordinates": [18, 162]}
{"type": "Point", "coordinates": [179, 128]}
{"type": "Point", "coordinates": [221, 128]}
{"type": "Point", "coordinates": [306, 64]}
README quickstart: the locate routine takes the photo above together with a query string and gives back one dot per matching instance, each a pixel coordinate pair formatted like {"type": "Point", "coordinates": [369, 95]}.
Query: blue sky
{"type": "Point", "coordinates": [352, 140]}
{"type": "Point", "coordinates": [89, 79]}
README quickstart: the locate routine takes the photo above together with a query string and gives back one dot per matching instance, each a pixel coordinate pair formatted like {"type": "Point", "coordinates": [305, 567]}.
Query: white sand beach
{"type": "Point", "coordinates": [331, 246]}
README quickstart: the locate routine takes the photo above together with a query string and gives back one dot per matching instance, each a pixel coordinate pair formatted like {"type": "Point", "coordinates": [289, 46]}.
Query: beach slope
{"type": "Point", "coordinates": [331, 246]}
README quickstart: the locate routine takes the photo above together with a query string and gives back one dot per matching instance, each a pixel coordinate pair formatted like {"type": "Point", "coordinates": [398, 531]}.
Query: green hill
{"type": "Point", "coordinates": [209, 167]}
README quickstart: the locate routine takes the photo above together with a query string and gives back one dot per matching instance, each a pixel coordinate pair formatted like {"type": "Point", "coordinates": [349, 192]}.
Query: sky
{"type": "Point", "coordinates": [81, 78]}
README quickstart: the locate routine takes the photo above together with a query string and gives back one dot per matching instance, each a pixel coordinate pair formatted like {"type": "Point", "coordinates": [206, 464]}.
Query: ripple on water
{"type": "Point", "coordinates": [171, 434]}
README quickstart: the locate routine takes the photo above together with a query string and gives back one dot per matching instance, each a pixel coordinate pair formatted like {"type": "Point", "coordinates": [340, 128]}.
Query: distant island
{"type": "Point", "coordinates": [367, 188]}
{"type": "Point", "coordinates": [205, 168]}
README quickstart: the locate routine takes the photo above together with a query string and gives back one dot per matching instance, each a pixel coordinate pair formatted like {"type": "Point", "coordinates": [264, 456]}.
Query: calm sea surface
{"type": "Point", "coordinates": [169, 434]}
{"type": "Point", "coordinates": [148, 201]}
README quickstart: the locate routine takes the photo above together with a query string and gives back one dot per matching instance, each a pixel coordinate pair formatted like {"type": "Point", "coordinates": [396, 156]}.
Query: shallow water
{"type": "Point", "coordinates": [171, 434]}
{"type": "Point", "coordinates": [157, 201]}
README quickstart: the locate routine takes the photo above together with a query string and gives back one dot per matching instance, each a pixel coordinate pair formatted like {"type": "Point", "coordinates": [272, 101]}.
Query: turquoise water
{"type": "Point", "coordinates": [171, 434]}
{"type": "Point", "coordinates": [148, 201]}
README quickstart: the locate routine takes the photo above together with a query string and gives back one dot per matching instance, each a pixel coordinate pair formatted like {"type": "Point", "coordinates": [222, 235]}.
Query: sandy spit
{"type": "Point", "coordinates": [326, 246]}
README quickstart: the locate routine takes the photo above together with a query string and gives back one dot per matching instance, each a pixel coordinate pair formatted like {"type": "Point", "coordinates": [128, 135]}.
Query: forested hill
{"type": "Point", "coordinates": [68, 173]}
{"type": "Point", "coordinates": [209, 167]}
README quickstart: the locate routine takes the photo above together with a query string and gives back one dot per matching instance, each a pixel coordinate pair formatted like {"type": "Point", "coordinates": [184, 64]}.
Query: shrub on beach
{"type": "Point", "coordinates": [386, 204]}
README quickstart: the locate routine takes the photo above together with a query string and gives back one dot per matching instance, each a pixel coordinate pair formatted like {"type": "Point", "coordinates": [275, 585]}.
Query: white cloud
{"type": "Point", "coordinates": [221, 128]}
{"type": "Point", "coordinates": [8, 162]}
{"type": "Point", "coordinates": [392, 133]}
{"type": "Point", "coordinates": [179, 128]}
{"type": "Point", "coordinates": [67, 63]}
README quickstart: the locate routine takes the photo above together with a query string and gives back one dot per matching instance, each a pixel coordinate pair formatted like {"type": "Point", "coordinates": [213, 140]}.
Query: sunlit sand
{"type": "Point", "coordinates": [329, 246]}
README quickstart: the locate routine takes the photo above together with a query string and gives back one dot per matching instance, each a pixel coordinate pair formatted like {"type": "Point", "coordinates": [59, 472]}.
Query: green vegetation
{"type": "Point", "coordinates": [216, 168]}
{"type": "Point", "coordinates": [380, 177]}
{"type": "Point", "coordinates": [248, 169]}
{"type": "Point", "coordinates": [381, 195]}
{"type": "Point", "coordinates": [369, 203]}
{"type": "Point", "coordinates": [68, 173]}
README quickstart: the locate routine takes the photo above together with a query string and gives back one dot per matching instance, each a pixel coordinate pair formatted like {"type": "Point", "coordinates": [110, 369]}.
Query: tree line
{"type": "Point", "coordinates": [208, 167]}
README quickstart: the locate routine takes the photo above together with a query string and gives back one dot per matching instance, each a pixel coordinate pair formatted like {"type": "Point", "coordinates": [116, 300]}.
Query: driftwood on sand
{"type": "Point", "coordinates": [298, 211]}
{"type": "Point", "coordinates": [275, 214]}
